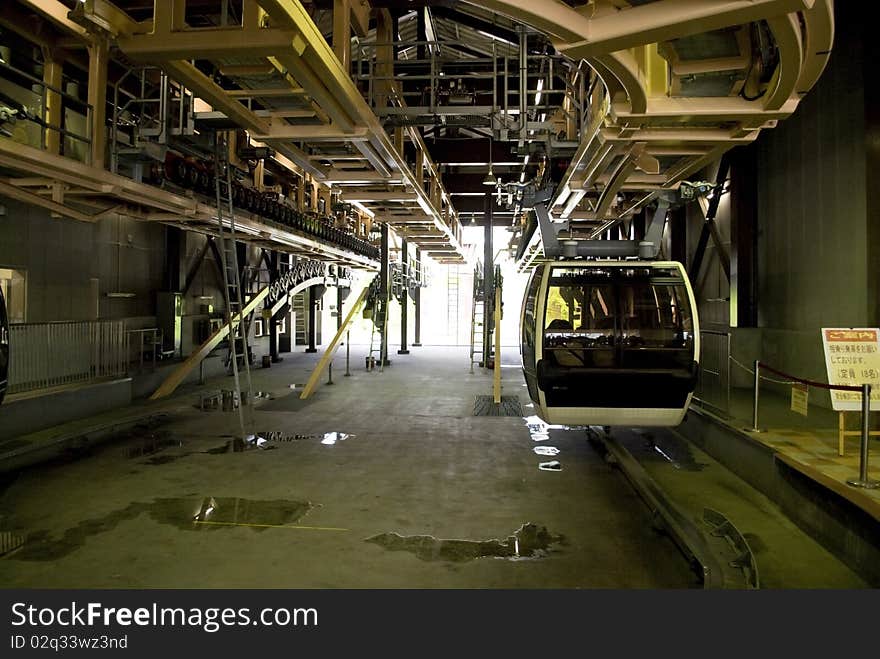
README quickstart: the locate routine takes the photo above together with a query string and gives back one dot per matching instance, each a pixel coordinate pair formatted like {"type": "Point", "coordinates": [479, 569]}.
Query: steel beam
{"type": "Point", "coordinates": [208, 43]}
{"type": "Point", "coordinates": [673, 19]}
{"type": "Point", "coordinates": [205, 88]}
{"type": "Point", "coordinates": [99, 53]}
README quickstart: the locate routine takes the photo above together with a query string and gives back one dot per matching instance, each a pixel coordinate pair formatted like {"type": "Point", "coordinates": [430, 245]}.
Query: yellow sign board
{"type": "Point", "coordinates": [852, 358]}
{"type": "Point", "coordinates": [800, 394]}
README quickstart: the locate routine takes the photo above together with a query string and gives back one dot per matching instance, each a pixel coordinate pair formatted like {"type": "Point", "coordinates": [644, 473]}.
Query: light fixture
{"type": "Point", "coordinates": [490, 177]}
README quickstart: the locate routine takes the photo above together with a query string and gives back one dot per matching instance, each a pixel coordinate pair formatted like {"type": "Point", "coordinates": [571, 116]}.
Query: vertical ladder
{"type": "Point", "coordinates": [299, 309]}
{"type": "Point", "coordinates": [452, 303]}
{"type": "Point", "coordinates": [231, 274]}
{"type": "Point", "coordinates": [478, 326]}
{"type": "Point", "coordinates": [380, 327]}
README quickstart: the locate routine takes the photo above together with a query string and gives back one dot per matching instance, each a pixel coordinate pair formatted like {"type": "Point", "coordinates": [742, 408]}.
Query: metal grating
{"type": "Point", "coordinates": [486, 406]}
{"type": "Point", "coordinates": [9, 542]}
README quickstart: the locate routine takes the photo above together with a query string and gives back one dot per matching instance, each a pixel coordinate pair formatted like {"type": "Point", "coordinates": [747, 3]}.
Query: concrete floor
{"type": "Point", "coordinates": [298, 513]}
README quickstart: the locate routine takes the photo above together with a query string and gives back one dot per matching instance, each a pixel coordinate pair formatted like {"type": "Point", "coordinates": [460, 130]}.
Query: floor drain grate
{"type": "Point", "coordinates": [486, 406]}
{"type": "Point", "coordinates": [9, 542]}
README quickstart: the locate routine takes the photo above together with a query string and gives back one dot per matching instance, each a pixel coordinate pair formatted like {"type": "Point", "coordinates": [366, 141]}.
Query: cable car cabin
{"type": "Point", "coordinates": [610, 342]}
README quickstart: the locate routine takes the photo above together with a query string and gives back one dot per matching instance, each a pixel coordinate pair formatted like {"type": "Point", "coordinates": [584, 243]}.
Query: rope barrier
{"type": "Point", "coordinates": [810, 383]}
{"type": "Point", "coordinates": [752, 372]}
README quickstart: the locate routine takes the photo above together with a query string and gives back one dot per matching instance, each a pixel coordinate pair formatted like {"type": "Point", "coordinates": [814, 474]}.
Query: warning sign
{"type": "Point", "coordinates": [800, 394]}
{"type": "Point", "coordinates": [852, 358]}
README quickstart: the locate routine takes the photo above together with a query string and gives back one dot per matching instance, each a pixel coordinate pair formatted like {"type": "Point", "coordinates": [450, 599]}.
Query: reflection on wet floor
{"type": "Point", "coordinates": [539, 431]}
{"type": "Point", "coordinates": [671, 448]}
{"type": "Point", "coordinates": [529, 541]}
{"type": "Point", "coordinates": [327, 438]}
{"type": "Point", "coordinates": [187, 514]}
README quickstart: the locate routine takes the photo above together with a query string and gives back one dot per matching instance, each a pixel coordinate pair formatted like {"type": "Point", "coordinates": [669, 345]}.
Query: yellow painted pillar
{"type": "Point", "coordinates": [52, 69]}
{"type": "Point", "coordinates": [342, 32]}
{"type": "Point", "coordinates": [98, 58]}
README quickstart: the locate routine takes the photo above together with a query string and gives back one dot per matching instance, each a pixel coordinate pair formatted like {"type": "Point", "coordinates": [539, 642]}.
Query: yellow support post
{"type": "Point", "coordinates": [496, 383]}
{"type": "Point", "coordinates": [334, 344]}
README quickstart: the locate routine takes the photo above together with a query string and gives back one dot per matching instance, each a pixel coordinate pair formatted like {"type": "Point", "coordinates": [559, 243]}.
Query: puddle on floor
{"type": "Point", "coordinates": [546, 450]}
{"type": "Point", "coordinates": [327, 438]}
{"type": "Point", "coordinates": [188, 514]}
{"type": "Point", "coordinates": [553, 465]}
{"type": "Point", "coordinates": [529, 541]}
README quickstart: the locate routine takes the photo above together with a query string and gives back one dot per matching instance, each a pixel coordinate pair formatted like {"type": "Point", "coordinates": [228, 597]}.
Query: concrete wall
{"type": "Point", "coordinates": [817, 263]}
{"type": "Point", "coordinates": [812, 215]}
{"type": "Point", "coordinates": [62, 256]}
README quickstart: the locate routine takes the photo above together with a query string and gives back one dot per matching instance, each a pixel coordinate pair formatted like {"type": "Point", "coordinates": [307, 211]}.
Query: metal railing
{"type": "Point", "coordinates": [38, 115]}
{"type": "Point", "coordinates": [713, 385]}
{"type": "Point", "coordinates": [142, 345]}
{"type": "Point", "coordinates": [48, 355]}
{"type": "Point", "coordinates": [864, 389]}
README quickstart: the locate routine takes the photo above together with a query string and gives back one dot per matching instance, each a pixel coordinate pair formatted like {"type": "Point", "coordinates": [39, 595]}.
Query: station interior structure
{"type": "Point", "coordinates": [262, 264]}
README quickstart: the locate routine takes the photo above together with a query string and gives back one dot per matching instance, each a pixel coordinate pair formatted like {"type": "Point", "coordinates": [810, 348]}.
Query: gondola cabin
{"type": "Point", "coordinates": [610, 342]}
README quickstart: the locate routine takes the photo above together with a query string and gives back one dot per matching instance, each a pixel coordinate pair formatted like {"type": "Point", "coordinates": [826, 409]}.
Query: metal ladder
{"type": "Point", "coordinates": [478, 326]}
{"type": "Point", "coordinates": [299, 309]}
{"type": "Point", "coordinates": [452, 303]}
{"type": "Point", "coordinates": [231, 276]}
{"type": "Point", "coordinates": [379, 326]}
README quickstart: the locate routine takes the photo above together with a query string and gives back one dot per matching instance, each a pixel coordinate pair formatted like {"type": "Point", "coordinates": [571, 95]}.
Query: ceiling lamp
{"type": "Point", "coordinates": [490, 177]}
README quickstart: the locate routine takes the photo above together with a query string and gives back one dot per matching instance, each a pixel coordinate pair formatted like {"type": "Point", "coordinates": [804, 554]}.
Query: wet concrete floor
{"type": "Point", "coordinates": [396, 458]}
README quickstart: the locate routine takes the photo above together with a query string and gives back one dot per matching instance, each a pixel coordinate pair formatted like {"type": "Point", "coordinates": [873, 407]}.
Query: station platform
{"type": "Point", "coordinates": [807, 443]}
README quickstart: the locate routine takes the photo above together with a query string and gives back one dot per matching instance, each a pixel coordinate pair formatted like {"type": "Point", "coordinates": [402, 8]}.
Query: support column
{"type": "Point", "coordinates": [342, 32]}
{"type": "Point", "coordinates": [339, 301]}
{"type": "Point", "coordinates": [313, 313]}
{"type": "Point", "coordinates": [418, 302]}
{"type": "Point", "coordinates": [273, 320]}
{"type": "Point", "coordinates": [383, 293]}
{"type": "Point", "coordinates": [98, 58]}
{"type": "Point", "coordinates": [404, 300]}
{"type": "Point", "coordinates": [52, 69]}
{"type": "Point", "coordinates": [175, 253]}
{"type": "Point", "coordinates": [744, 237]}
{"type": "Point", "coordinates": [488, 280]}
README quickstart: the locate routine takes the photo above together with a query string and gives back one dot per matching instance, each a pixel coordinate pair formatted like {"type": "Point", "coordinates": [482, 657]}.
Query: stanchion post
{"type": "Point", "coordinates": [863, 480]}
{"type": "Point", "coordinates": [347, 353]}
{"type": "Point", "coordinates": [330, 372]}
{"type": "Point", "coordinates": [757, 386]}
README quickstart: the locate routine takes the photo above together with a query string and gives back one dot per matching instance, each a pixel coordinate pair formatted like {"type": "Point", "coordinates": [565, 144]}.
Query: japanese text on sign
{"type": "Point", "coordinates": [852, 358]}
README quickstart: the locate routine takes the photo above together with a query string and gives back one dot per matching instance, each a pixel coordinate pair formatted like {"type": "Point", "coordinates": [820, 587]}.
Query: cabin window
{"type": "Point", "coordinates": [601, 317]}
